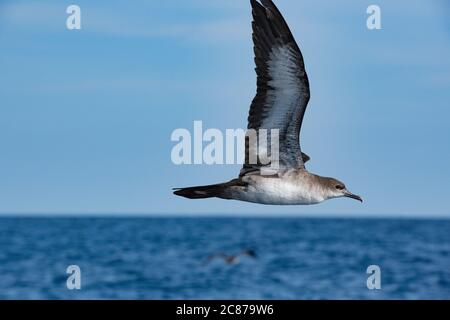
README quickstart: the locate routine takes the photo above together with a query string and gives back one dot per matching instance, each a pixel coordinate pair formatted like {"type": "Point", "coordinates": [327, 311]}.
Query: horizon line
{"type": "Point", "coordinates": [228, 215]}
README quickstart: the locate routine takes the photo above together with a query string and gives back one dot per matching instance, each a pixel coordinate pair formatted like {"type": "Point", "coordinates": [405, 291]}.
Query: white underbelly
{"type": "Point", "coordinates": [278, 192]}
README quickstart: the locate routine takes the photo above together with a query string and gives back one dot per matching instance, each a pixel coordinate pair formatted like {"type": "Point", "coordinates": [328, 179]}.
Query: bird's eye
{"type": "Point", "coordinates": [339, 187]}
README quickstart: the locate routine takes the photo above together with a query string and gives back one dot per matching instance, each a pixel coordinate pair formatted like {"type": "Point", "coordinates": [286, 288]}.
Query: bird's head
{"type": "Point", "coordinates": [250, 253]}
{"type": "Point", "coordinates": [336, 189]}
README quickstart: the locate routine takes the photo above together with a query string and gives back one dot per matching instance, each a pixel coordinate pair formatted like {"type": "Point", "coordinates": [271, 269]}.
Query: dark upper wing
{"type": "Point", "coordinates": [282, 84]}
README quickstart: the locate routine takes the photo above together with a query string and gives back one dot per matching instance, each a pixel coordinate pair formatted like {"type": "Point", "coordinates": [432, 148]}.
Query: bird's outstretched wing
{"type": "Point", "coordinates": [212, 257]}
{"type": "Point", "coordinates": [282, 86]}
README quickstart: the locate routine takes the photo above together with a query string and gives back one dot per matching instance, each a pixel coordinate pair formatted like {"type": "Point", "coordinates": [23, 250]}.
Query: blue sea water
{"type": "Point", "coordinates": [165, 258]}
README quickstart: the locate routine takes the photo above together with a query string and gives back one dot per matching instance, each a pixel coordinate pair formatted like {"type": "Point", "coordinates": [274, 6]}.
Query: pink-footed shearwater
{"type": "Point", "coordinates": [280, 103]}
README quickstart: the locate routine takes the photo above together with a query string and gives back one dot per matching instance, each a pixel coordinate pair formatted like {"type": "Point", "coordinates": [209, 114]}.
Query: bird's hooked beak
{"type": "Point", "coordinates": [348, 194]}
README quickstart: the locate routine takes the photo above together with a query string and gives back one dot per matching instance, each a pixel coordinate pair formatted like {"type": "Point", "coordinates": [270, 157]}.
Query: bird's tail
{"type": "Point", "coordinates": [200, 192]}
{"type": "Point", "coordinates": [211, 191]}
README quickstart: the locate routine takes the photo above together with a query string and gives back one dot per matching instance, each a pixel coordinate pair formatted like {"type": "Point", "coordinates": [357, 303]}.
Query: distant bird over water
{"type": "Point", "coordinates": [280, 103]}
{"type": "Point", "coordinates": [232, 259]}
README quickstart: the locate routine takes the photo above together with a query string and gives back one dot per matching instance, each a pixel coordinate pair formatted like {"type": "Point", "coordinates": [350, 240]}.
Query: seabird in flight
{"type": "Point", "coordinates": [233, 259]}
{"type": "Point", "coordinates": [280, 103]}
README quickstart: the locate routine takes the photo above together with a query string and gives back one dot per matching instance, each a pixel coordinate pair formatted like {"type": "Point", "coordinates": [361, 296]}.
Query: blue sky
{"type": "Point", "coordinates": [86, 116]}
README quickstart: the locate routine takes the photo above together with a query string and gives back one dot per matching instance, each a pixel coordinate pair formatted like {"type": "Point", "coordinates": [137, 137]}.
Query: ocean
{"type": "Point", "coordinates": [168, 258]}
